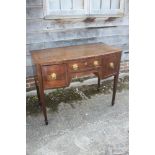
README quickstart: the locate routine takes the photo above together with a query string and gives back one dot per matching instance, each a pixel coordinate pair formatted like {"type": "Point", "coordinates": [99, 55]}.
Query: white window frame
{"type": "Point", "coordinates": [110, 11]}
{"type": "Point", "coordinates": [86, 12]}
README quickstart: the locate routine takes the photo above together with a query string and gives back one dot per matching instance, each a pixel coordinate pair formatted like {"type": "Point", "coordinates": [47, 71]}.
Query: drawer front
{"type": "Point", "coordinates": [84, 64]}
{"type": "Point", "coordinates": [93, 62]}
{"type": "Point", "coordinates": [54, 76]}
{"type": "Point", "coordinates": [111, 63]}
{"type": "Point", "coordinates": [75, 66]}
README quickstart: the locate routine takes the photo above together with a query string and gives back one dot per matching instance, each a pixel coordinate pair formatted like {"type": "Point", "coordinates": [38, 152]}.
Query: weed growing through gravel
{"type": "Point", "coordinates": [70, 95]}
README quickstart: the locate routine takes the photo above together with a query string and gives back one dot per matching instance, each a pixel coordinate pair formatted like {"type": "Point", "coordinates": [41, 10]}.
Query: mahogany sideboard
{"type": "Point", "coordinates": [55, 67]}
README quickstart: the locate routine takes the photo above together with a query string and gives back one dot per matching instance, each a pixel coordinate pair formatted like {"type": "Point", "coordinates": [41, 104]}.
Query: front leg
{"type": "Point", "coordinates": [41, 93]}
{"type": "Point", "coordinates": [114, 88]}
{"type": "Point", "coordinates": [99, 83]}
{"type": "Point", "coordinates": [38, 89]}
{"type": "Point", "coordinates": [99, 79]}
{"type": "Point", "coordinates": [43, 105]}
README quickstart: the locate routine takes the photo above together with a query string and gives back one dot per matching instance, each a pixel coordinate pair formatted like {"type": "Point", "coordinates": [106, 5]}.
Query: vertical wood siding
{"type": "Point", "coordinates": [43, 33]}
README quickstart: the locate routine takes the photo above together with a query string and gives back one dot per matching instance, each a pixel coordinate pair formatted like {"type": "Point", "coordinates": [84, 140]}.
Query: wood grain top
{"type": "Point", "coordinates": [53, 55]}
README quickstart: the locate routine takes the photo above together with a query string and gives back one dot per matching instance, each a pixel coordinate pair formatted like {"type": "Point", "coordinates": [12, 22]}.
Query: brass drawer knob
{"type": "Point", "coordinates": [53, 76]}
{"type": "Point", "coordinates": [75, 66]}
{"type": "Point", "coordinates": [111, 64]}
{"type": "Point", "coordinates": [96, 63]}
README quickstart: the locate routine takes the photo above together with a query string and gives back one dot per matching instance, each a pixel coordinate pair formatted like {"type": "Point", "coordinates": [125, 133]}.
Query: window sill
{"type": "Point", "coordinates": [48, 17]}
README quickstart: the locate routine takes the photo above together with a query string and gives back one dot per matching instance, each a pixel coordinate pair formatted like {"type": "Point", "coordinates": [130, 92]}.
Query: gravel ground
{"type": "Point", "coordinates": [87, 127]}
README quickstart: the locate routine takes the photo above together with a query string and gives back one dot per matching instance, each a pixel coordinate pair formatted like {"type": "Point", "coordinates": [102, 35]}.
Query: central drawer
{"type": "Point", "coordinates": [84, 64]}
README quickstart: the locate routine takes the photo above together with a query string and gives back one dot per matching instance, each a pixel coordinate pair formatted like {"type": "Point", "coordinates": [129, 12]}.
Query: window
{"type": "Point", "coordinates": [106, 7]}
{"type": "Point", "coordinates": [66, 7]}
{"type": "Point", "coordinates": [83, 7]}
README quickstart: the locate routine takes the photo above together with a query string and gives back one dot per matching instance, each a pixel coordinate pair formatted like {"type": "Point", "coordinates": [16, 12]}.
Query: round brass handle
{"type": "Point", "coordinates": [53, 76]}
{"type": "Point", "coordinates": [75, 66]}
{"type": "Point", "coordinates": [96, 63]}
{"type": "Point", "coordinates": [111, 64]}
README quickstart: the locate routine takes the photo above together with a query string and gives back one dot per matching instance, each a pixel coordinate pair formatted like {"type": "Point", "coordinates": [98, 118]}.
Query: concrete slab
{"type": "Point", "coordinates": [88, 127]}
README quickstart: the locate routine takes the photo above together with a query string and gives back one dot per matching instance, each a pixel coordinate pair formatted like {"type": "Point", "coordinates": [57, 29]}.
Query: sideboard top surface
{"type": "Point", "coordinates": [71, 52]}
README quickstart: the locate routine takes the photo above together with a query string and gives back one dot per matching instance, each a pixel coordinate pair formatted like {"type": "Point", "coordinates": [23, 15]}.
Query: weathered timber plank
{"type": "Point", "coordinates": [29, 60]}
{"type": "Point", "coordinates": [30, 71]}
{"type": "Point", "coordinates": [106, 39]}
{"type": "Point", "coordinates": [30, 47]}
{"type": "Point", "coordinates": [76, 34]}
{"type": "Point", "coordinates": [34, 2]}
{"type": "Point", "coordinates": [35, 38]}
{"type": "Point", "coordinates": [37, 46]}
{"type": "Point", "coordinates": [111, 40]}
{"type": "Point", "coordinates": [124, 46]}
{"type": "Point", "coordinates": [54, 25]}
{"type": "Point", "coordinates": [34, 26]}
{"type": "Point", "coordinates": [70, 42]}
{"type": "Point", "coordinates": [118, 39]}
{"type": "Point", "coordinates": [34, 12]}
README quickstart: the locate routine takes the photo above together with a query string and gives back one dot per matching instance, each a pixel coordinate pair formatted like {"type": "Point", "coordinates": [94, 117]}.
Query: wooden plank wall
{"type": "Point", "coordinates": [43, 33]}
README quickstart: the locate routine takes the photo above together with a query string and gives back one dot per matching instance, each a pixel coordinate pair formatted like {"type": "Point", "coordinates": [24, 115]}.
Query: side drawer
{"type": "Point", "coordinates": [54, 76]}
{"type": "Point", "coordinates": [111, 63]}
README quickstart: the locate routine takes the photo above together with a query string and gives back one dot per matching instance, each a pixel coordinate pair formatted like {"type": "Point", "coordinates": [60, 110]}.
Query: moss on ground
{"type": "Point", "coordinates": [70, 95]}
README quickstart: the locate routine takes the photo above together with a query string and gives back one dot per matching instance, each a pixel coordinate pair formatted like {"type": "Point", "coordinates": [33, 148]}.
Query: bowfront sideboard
{"type": "Point", "coordinates": [55, 67]}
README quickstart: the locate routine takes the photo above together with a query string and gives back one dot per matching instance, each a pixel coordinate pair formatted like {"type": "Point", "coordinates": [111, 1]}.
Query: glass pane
{"type": "Point", "coordinates": [95, 4]}
{"type": "Point", "coordinates": [54, 5]}
{"type": "Point", "coordinates": [105, 5]}
{"type": "Point", "coordinates": [66, 4]}
{"type": "Point", "coordinates": [115, 4]}
{"type": "Point", "coordinates": [78, 4]}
